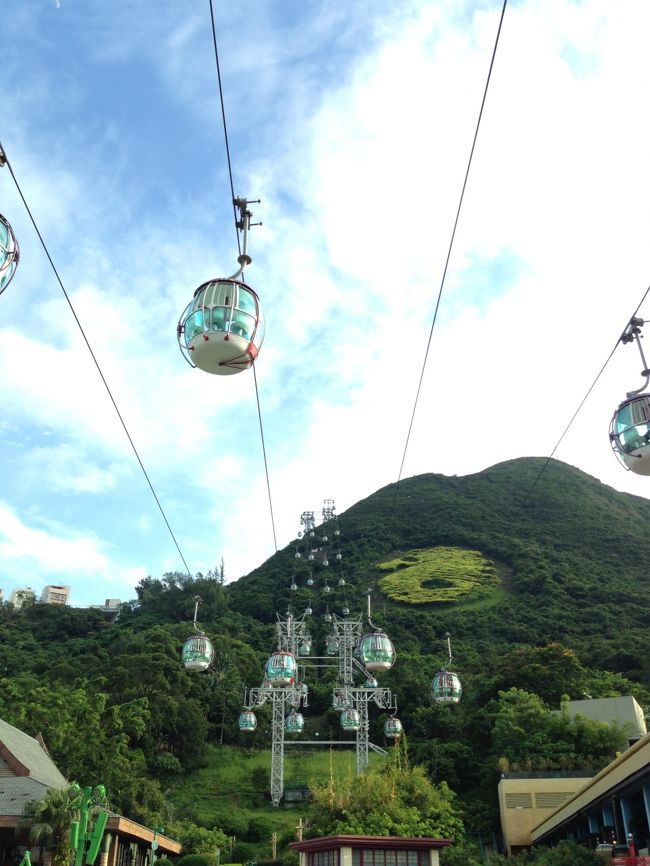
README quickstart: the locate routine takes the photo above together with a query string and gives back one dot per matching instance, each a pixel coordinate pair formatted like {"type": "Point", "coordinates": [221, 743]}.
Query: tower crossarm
{"type": "Point", "coordinates": [383, 698]}
{"type": "Point", "coordinates": [257, 697]}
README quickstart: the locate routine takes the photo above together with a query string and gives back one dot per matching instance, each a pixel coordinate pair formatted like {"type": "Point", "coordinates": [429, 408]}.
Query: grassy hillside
{"type": "Point", "coordinates": [573, 559]}
{"type": "Point", "coordinates": [231, 791]}
{"type": "Point", "coordinates": [441, 575]}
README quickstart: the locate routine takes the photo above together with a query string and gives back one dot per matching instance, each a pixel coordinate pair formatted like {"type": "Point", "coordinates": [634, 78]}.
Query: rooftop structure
{"type": "Point", "coordinates": [623, 711]}
{"type": "Point", "coordinates": [370, 851]}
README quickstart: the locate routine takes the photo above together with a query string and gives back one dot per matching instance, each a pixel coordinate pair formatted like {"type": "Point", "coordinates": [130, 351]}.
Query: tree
{"type": "Point", "coordinates": [528, 735]}
{"type": "Point", "coordinates": [548, 671]}
{"type": "Point", "coordinates": [395, 799]}
{"type": "Point", "coordinates": [198, 840]}
{"type": "Point", "coordinates": [48, 821]}
{"type": "Point", "coordinates": [566, 853]}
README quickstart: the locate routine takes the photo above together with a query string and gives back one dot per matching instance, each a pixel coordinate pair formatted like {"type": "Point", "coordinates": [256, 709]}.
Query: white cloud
{"type": "Point", "coordinates": [358, 149]}
{"type": "Point", "coordinates": [54, 552]}
{"type": "Point", "coordinates": [64, 468]}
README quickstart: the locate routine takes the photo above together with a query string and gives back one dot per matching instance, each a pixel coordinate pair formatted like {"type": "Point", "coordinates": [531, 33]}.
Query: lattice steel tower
{"type": "Point", "coordinates": [351, 652]}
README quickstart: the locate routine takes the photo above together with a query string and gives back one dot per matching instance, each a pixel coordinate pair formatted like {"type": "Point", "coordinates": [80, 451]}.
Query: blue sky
{"type": "Point", "coordinates": [353, 125]}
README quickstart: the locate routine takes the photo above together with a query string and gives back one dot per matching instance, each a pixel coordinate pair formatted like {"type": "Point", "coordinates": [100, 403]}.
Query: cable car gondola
{"type": "Point", "coordinates": [281, 669]}
{"type": "Point", "coordinates": [9, 252]}
{"type": "Point", "coordinates": [331, 645]}
{"type": "Point", "coordinates": [376, 652]}
{"type": "Point", "coordinates": [350, 719]}
{"type": "Point", "coordinates": [222, 328]}
{"type": "Point", "coordinates": [247, 721]}
{"type": "Point", "coordinates": [198, 652]}
{"type": "Point", "coordinates": [629, 433]}
{"type": "Point", "coordinates": [295, 723]}
{"type": "Point", "coordinates": [446, 687]}
{"type": "Point", "coordinates": [629, 430]}
{"type": "Point", "coordinates": [393, 728]}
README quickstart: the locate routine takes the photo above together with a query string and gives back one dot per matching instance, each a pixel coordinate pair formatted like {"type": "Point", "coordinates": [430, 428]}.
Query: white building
{"type": "Point", "coordinates": [54, 594]}
{"type": "Point", "coordinates": [19, 596]}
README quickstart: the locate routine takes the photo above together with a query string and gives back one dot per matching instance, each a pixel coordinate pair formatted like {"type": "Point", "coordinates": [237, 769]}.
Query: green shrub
{"type": "Point", "coordinates": [243, 852]}
{"type": "Point", "coordinates": [233, 822]}
{"type": "Point", "coordinates": [260, 779]}
{"type": "Point", "coordinates": [260, 829]}
{"type": "Point", "coordinates": [196, 860]}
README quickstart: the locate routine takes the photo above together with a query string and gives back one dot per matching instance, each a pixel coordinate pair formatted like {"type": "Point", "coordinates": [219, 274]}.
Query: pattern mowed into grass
{"type": "Point", "coordinates": [439, 574]}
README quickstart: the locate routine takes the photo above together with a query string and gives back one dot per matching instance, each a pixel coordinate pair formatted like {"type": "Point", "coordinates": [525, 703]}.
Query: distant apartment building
{"type": "Point", "coordinates": [112, 603]}
{"type": "Point", "coordinates": [111, 607]}
{"type": "Point", "coordinates": [55, 594]}
{"type": "Point", "coordinates": [19, 596]}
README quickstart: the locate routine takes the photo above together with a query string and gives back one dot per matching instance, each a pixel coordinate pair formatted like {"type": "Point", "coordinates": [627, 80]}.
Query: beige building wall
{"type": "Point", "coordinates": [525, 803]}
{"type": "Point", "coordinates": [55, 594]}
{"type": "Point", "coordinates": [341, 848]}
{"type": "Point", "coordinates": [345, 856]}
{"type": "Point", "coordinates": [632, 762]}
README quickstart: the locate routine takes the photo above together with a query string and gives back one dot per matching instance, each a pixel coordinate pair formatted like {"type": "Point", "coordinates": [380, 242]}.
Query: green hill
{"type": "Point", "coordinates": [545, 591]}
{"type": "Point", "coordinates": [573, 559]}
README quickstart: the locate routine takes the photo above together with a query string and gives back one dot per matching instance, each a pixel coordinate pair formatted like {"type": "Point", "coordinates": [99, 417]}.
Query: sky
{"type": "Point", "coordinates": [353, 124]}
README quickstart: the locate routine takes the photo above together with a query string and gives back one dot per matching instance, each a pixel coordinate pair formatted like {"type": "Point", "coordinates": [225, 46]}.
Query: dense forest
{"type": "Point", "coordinates": [542, 581]}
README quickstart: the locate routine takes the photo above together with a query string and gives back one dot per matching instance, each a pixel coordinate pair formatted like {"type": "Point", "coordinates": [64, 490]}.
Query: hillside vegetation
{"type": "Point", "coordinates": [545, 594]}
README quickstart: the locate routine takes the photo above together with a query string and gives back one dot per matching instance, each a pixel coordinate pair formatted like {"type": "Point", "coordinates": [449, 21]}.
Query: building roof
{"type": "Point", "coordinates": [124, 827]}
{"type": "Point", "coordinates": [22, 755]}
{"type": "Point", "coordinates": [329, 842]}
{"type": "Point", "coordinates": [27, 772]}
{"type": "Point", "coordinates": [629, 768]}
{"type": "Point", "coordinates": [15, 793]}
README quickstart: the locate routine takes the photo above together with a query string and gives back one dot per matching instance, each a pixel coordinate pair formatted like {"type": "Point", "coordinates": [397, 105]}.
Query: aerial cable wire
{"type": "Point", "coordinates": [223, 120]}
{"type": "Point", "coordinates": [96, 362]}
{"type": "Point", "coordinates": [575, 414]}
{"type": "Point", "coordinates": [266, 468]}
{"type": "Point", "coordinates": [233, 198]}
{"type": "Point", "coordinates": [451, 244]}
